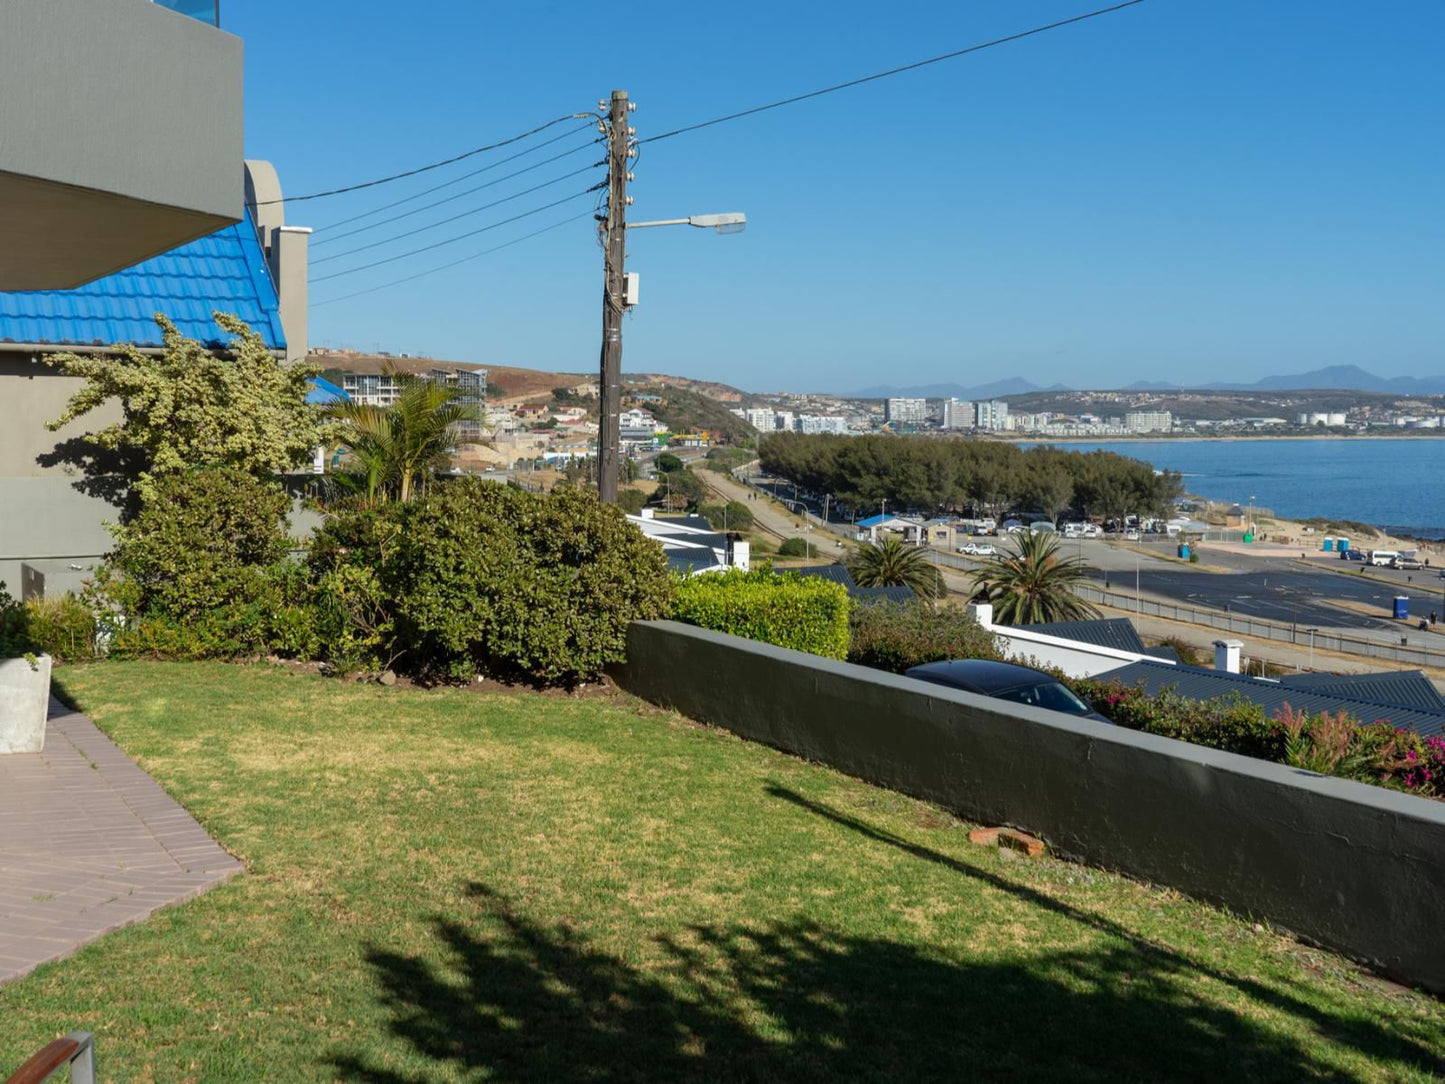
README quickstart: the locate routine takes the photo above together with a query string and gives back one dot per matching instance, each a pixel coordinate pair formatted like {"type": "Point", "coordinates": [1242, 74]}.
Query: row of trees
{"type": "Point", "coordinates": [987, 477]}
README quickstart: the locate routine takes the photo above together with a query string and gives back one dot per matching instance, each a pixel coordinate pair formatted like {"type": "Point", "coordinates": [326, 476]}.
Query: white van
{"type": "Point", "coordinates": [1383, 557]}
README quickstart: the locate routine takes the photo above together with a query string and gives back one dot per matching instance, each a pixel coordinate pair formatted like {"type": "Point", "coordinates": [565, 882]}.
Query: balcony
{"type": "Point", "coordinates": [136, 150]}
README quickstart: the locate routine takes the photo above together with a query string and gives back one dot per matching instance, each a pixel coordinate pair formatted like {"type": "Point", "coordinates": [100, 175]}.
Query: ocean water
{"type": "Point", "coordinates": [1394, 484]}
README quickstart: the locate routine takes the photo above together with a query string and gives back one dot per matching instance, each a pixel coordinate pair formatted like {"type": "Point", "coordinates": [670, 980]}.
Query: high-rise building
{"type": "Point", "coordinates": [905, 411]}
{"type": "Point", "coordinates": [761, 418]}
{"type": "Point", "coordinates": [1148, 421]}
{"type": "Point", "coordinates": [992, 415]}
{"type": "Point", "coordinates": [957, 414]}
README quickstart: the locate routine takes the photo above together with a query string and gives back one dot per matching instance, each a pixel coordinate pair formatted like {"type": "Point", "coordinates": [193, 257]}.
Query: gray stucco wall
{"type": "Point", "coordinates": [120, 136]}
{"type": "Point", "coordinates": [1357, 868]}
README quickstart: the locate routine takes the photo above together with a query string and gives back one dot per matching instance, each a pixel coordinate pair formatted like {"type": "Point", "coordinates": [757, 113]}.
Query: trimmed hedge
{"type": "Point", "coordinates": [893, 637]}
{"type": "Point", "coordinates": [784, 609]}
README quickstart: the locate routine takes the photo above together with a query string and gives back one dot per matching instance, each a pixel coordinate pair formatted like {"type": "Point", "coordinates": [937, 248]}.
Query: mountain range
{"type": "Point", "coordinates": [1334, 377]}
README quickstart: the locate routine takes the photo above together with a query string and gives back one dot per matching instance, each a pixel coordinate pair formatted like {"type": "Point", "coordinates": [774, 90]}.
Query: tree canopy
{"type": "Point", "coordinates": [989, 477]}
{"type": "Point", "coordinates": [190, 406]}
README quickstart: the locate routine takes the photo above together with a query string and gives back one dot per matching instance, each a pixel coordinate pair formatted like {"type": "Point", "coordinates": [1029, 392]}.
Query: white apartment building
{"type": "Point", "coordinates": [383, 390]}
{"type": "Point", "coordinates": [637, 426]}
{"type": "Point", "coordinates": [761, 418]}
{"type": "Point", "coordinates": [822, 423]}
{"type": "Point", "coordinates": [992, 415]}
{"type": "Point", "coordinates": [783, 419]}
{"type": "Point", "coordinates": [1148, 421]}
{"type": "Point", "coordinates": [957, 414]}
{"type": "Point", "coordinates": [906, 411]}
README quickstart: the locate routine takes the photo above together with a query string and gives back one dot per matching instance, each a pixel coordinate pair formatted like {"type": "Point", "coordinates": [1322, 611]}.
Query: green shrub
{"type": "Point", "coordinates": [63, 628]}
{"type": "Point", "coordinates": [803, 613]}
{"type": "Point", "coordinates": [1232, 724]}
{"type": "Point", "coordinates": [481, 577]}
{"type": "Point", "coordinates": [200, 571]}
{"type": "Point", "coordinates": [631, 500]}
{"type": "Point", "coordinates": [667, 463]}
{"type": "Point", "coordinates": [894, 637]}
{"type": "Point", "coordinates": [14, 627]}
{"type": "Point", "coordinates": [793, 547]}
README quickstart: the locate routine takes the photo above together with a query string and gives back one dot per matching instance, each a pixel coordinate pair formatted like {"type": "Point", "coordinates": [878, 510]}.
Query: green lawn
{"type": "Point", "coordinates": [450, 885]}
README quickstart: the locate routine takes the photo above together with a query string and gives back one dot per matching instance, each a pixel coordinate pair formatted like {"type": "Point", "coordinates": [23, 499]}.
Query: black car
{"type": "Point", "coordinates": [1005, 681]}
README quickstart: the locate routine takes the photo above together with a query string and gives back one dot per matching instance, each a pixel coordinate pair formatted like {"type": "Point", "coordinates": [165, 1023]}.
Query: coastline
{"type": "Point", "coordinates": [1144, 438]}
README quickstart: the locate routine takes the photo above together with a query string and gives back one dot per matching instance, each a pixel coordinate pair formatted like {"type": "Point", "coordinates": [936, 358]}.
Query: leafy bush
{"type": "Point", "coordinates": [631, 500]}
{"type": "Point", "coordinates": [200, 571]}
{"type": "Point", "coordinates": [14, 627]}
{"type": "Point", "coordinates": [733, 516]}
{"type": "Point", "coordinates": [63, 628]}
{"type": "Point", "coordinates": [481, 577]}
{"type": "Point", "coordinates": [804, 613]}
{"type": "Point", "coordinates": [1232, 724]}
{"type": "Point", "coordinates": [894, 637]}
{"type": "Point", "coordinates": [667, 463]}
{"type": "Point", "coordinates": [793, 547]}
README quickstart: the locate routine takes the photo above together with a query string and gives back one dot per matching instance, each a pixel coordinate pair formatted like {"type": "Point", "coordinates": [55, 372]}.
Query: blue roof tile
{"type": "Point", "coordinates": [224, 271]}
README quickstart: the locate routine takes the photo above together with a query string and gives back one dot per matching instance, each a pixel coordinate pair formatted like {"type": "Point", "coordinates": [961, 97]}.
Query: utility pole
{"type": "Point", "coordinates": [614, 244]}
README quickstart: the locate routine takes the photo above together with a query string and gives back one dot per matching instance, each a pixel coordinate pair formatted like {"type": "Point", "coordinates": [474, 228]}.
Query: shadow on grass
{"type": "Point", "coordinates": [791, 1001]}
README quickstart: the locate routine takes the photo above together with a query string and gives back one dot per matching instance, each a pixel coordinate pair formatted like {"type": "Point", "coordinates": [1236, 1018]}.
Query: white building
{"type": "Point", "coordinates": [957, 414]}
{"type": "Point", "coordinates": [1330, 418]}
{"type": "Point", "coordinates": [1148, 421]}
{"type": "Point", "coordinates": [822, 423]}
{"type": "Point", "coordinates": [906, 411]}
{"type": "Point", "coordinates": [992, 414]}
{"type": "Point", "coordinates": [761, 418]}
{"type": "Point", "coordinates": [637, 427]}
{"type": "Point", "coordinates": [783, 419]}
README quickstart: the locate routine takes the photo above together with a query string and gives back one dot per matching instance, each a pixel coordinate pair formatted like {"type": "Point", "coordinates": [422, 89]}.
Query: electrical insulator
{"type": "Point", "coordinates": [631, 152]}
{"type": "Point", "coordinates": [602, 126]}
{"type": "Point", "coordinates": [631, 176]}
{"type": "Point", "coordinates": [631, 131]}
{"type": "Point", "coordinates": [632, 107]}
{"type": "Point", "coordinates": [601, 103]}
{"type": "Point", "coordinates": [629, 201]}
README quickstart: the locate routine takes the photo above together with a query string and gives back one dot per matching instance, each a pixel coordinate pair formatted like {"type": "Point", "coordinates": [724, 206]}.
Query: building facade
{"type": "Point", "coordinates": [823, 423]}
{"type": "Point", "coordinates": [991, 415]}
{"type": "Point", "coordinates": [957, 414]}
{"type": "Point", "coordinates": [1148, 421]}
{"type": "Point", "coordinates": [906, 411]}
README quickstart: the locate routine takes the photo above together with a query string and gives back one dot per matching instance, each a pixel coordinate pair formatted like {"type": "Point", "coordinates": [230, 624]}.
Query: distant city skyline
{"type": "Point", "coordinates": [1176, 192]}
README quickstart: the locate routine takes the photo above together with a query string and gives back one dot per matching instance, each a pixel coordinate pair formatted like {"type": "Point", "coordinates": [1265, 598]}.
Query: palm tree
{"type": "Point", "coordinates": [1032, 584]}
{"type": "Point", "coordinates": [395, 449]}
{"type": "Point", "coordinates": [892, 564]}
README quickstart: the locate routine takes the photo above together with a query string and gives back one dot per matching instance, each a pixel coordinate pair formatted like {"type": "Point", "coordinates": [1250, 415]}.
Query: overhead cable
{"type": "Point", "coordinates": [891, 71]}
{"type": "Point", "coordinates": [465, 259]}
{"type": "Point", "coordinates": [456, 180]}
{"type": "Point", "coordinates": [456, 195]}
{"type": "Point", "coordinates": [434, 165]}
{"type": "Point", "coordinates": [459, 237]}
{"type": "Point", "coordinates": [460, 215]}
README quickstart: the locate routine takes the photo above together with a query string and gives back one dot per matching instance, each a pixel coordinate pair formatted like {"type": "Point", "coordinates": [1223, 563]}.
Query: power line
{"type": "Point", "coordinates": [424, 169]}
{"type": "Point", "coordinates": [454, 263]}
{"type": "Point", "coordinates": [892, 71]}
{"type": "Point", "coordinates": [463, 214]}
{"type": "Point", "coordinates": [458, 195]}
{"type": "Point", "coordinates": [456, 180]}
{"type": "Point", "coordinates": [460, 237]}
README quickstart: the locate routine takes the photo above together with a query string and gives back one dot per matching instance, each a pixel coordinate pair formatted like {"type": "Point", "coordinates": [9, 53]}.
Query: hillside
{"type": "Point", "coordinates": [683, 410]}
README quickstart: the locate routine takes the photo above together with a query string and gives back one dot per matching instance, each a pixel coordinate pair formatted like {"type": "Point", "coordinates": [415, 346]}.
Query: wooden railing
{"type": "Point", "coordinates": [76, 1050]}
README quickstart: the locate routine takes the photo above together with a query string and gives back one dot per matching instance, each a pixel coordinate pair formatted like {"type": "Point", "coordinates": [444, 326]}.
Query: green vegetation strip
{"type": "Point", "coordinates": [450, 885]}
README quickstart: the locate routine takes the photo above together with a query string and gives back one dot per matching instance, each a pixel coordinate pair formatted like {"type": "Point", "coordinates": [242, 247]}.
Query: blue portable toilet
{"type": "Point", "coordinates": [1402, 608]}
{"type": "Point", "coordinates": [1342, 544]}
{"type": "Point", "coordinates": [1329, 546]}
{"type": "Point", "coordinates": [1184, 550]}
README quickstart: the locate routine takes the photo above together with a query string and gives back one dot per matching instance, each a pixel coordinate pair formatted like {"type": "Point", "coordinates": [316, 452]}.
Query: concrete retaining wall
{"type": "Point", "coordinates": [1357, 868]}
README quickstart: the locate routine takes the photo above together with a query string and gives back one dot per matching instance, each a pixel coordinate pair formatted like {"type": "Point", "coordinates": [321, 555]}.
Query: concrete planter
{"type": "Point", "coordinates": [24, 704]}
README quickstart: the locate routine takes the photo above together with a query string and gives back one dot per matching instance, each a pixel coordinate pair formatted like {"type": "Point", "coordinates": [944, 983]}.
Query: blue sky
{"type": "Point", "coordinates": [1186, 189]}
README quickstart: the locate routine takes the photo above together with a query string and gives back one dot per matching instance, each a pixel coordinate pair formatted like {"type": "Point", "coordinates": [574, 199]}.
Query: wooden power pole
{"type": "Point", "coordinates": [609, 437]}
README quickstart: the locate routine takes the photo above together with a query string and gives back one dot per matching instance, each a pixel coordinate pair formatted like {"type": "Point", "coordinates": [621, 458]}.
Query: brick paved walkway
{"type": "Point", "coordinates": [89, 843]}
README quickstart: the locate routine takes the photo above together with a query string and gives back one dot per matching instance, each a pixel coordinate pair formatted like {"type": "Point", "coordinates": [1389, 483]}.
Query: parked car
{"type": "Point", "coordinates": [1131, 535]}
{"type": "Point", "coordinates": [1352, 555]}
{"type": "Point", "coordinates": [1409, 563]}
{"type": "Point", "coordinates": [1005, 681]}
{"type": "Point", "coordinates": [978, 549]}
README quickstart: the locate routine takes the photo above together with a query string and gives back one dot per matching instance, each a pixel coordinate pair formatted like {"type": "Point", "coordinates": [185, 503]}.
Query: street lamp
{"type": "Point", "coordinates": [734, 222]}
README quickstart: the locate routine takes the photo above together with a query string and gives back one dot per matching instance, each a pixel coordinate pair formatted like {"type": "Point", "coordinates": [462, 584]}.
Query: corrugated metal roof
{"type": "Point", "coordinates": [1197, 683]}
{"type": "Point", "coordinates": [1115, 632]}
{"type": "Point", "coordinates": [1405, 688]}
{"type": "Point", "coordinates": [224, 271]}
{"type": "Point", "coordinates": [840, 574]}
